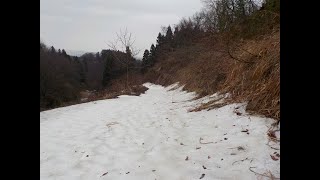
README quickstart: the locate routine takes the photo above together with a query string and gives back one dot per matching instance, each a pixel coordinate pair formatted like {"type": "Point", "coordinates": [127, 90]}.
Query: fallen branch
{"type": "Point", "coordinates": [112, 123]}
{"type": "Point", "coordinates": [233, 148]}
{"type": "Point", "coordinates": [272, 147]}
{"type": "Point", "coordinates": [271, 177]}
{"type": "Point", "coordinates": [204, 142]}
{"type": "Point", "coordinates": [243, 160]}
{"type": "Point", "coordinates": [272, 136]}
{"type": "Point", "coordinates": [239, 148]}
{"type": "Point", "coordinates": [104, 174]}
{"type": "Point", "coordinates": [274, 139]}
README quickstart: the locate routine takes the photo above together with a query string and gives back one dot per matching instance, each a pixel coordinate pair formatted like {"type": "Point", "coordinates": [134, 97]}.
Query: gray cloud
{"type": "Point", "coordinates": [88, 24]}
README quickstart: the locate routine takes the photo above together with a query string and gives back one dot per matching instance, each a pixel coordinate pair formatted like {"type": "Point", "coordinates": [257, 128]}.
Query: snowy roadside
{"type": "Point", "coordinates": [153, 136]}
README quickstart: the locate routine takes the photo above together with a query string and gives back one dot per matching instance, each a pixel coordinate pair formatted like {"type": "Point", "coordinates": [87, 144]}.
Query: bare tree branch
{"type": "Point", "coordinates": [124, 42]}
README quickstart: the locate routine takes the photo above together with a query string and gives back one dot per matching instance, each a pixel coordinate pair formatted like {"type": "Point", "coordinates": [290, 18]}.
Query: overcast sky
{"type": "Point", "coordinates": [87, 25]}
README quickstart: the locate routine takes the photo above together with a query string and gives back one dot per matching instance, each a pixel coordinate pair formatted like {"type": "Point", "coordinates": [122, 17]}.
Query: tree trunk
{"type": "Point", "coordinates": [127, 78]}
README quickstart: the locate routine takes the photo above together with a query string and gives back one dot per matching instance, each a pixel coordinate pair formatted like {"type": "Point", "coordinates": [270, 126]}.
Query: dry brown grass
{"type": "Point", "coordinates": [116, 88]}
{"type": "Point", "coordinates": [257, 82]}
{"type": "Point", "coordinates": [210, 105]}
{"type": "Point", "coordinates": [207, 68]}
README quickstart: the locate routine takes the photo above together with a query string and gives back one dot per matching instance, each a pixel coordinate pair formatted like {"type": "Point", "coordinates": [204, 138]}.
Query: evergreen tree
{"type": "Point", "coordinates": [169, 35]}
{"type": "Point", "coordinates": [64, 53]}
{"type": "Point", "coordinates": [128, 52]}
{"type": "Point", "coordinates": [52, 49]}
{"type": "Point", "coordinates": [81, 70]}
{"type": "Point", "coordinates": [97, 55]}
{"type": "Point", "coordinates": [145, 59]}
{"type": "Point", "coordinates": [42, 46]}
{"type": "Point", "coordinates": [169, 38]}
{"type": "Point", "coordinates": [176, 37]}
{"type": "Point", "coordinates": [176, 31]}
{"type": "Point", "coordinates": [107, 70]}
{"type": "Point", "coordinates": [152, 55]}
{"type": "Point", "coordinates": [160, 39]}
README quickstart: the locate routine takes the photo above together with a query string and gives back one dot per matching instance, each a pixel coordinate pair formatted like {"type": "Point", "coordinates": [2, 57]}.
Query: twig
{"type": "Point", "coordinates": [272, 147]}
{"type": "Point", "coordinates": [239, 148]}
{"type": "Point", "coordinates": [247, 51]}
{"type": "Point", "coordinates": [274, 139]}
{"type": "Point", "coordinates": [243, 160]}
{"type": "Point", "coordinates": [112, 123]}
{"type": "Point", "coordinates": [272, 177]}
{"type": "Point", "coordinates": [271, 133]}
{"type": "Point", "coordinates": [233, 148]}
{"type": "Point", "coordinates": [204, 142]}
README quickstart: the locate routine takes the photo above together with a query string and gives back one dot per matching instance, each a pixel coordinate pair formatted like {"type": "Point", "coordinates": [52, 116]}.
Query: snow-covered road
{"type": "Point", "coordinates": [153, 136]}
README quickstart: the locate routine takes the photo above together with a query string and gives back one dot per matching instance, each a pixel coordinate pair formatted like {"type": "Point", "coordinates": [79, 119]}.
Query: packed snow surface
{"type": "Point", "coordinates": [154, 136]}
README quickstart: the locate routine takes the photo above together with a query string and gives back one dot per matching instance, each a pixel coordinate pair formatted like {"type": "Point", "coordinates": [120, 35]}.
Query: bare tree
{"type": "Point", "coordinates": [219, 15]}
{"type": "Point", "coordinates": [124, 42]}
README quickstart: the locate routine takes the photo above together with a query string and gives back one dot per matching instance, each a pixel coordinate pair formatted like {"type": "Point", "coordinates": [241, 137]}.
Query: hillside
{"type": "Point", "coordinates": [242, 59]}
{"type": "Point", "coordinates": [209, 69]}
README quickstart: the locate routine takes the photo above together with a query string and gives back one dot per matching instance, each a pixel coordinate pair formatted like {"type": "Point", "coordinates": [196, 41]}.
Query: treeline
{"type": "Point", "coordinates": [236, 18]}
{"type": "Point", "coordinates": [102, 67]}
{"type": "Point", "coordinates": [63, 77]}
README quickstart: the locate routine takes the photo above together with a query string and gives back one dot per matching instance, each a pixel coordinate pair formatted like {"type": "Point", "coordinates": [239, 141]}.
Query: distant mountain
{"type": "Point", "coordinates": [75, 53]}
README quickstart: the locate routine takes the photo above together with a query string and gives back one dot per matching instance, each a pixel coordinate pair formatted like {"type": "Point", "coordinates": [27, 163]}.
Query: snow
{"type": "Point", "coordinates": [150, 137]}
